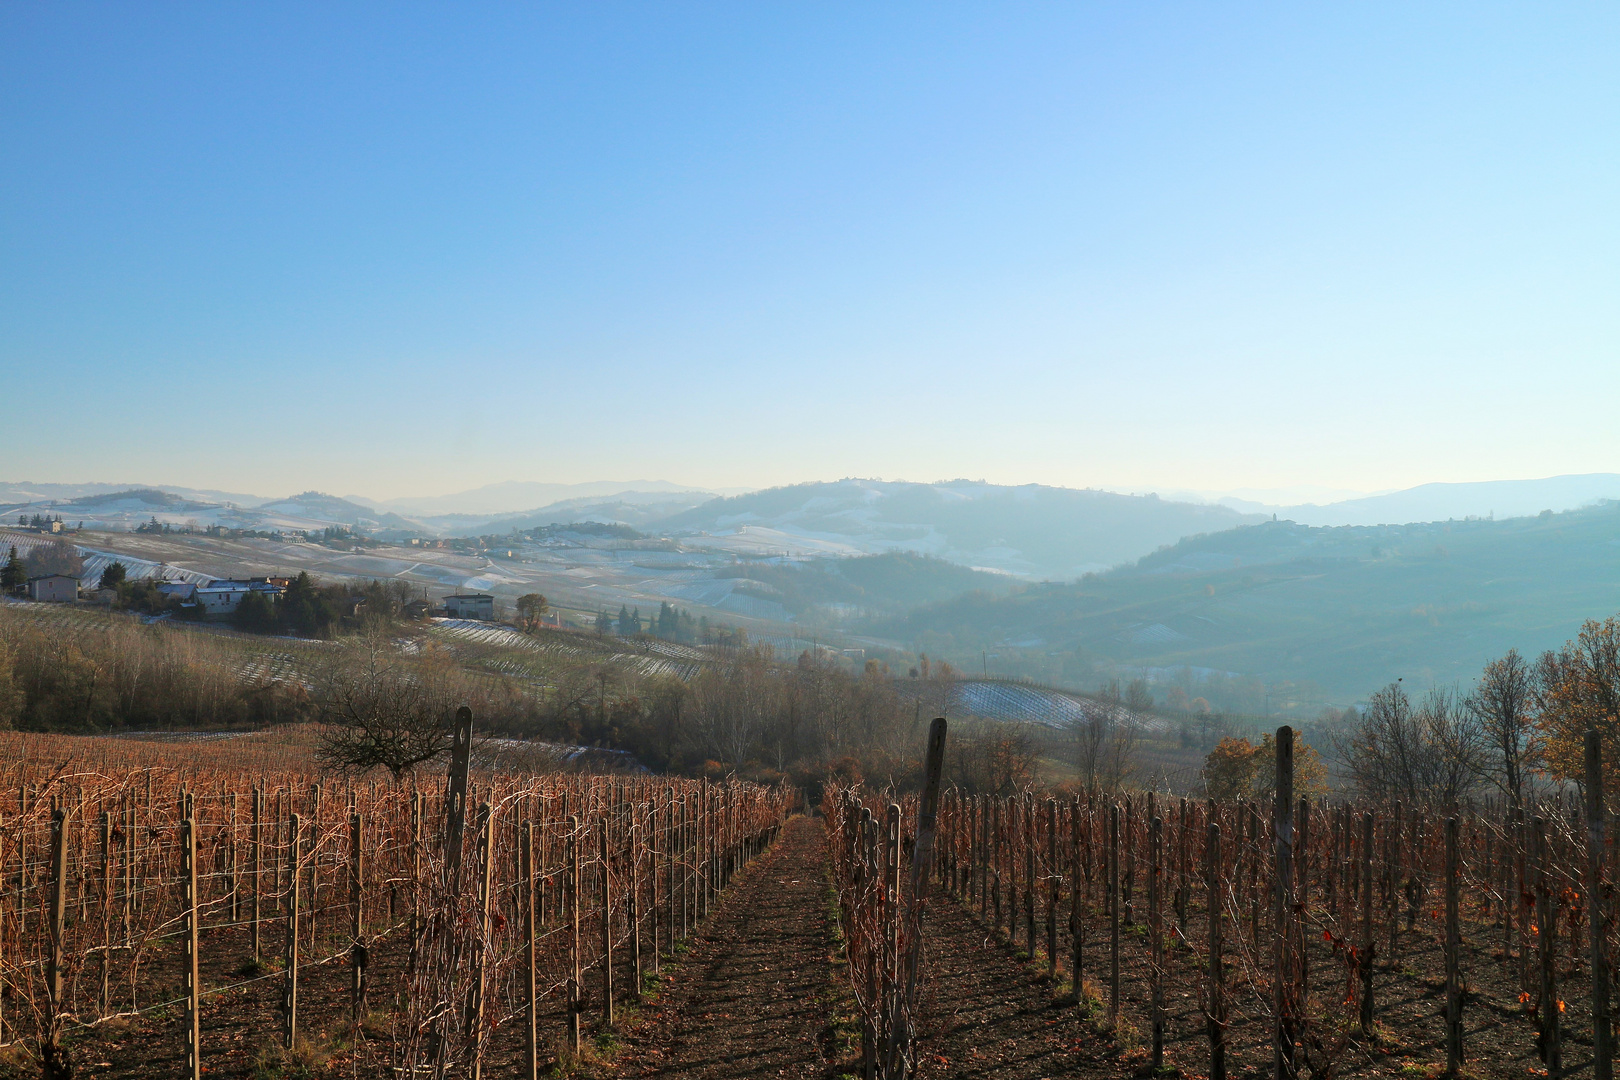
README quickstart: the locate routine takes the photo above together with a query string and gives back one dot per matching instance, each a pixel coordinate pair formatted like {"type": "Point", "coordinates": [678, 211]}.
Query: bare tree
{"type": "Point", "coordinates": [1105, 739]}
{"type": "Point", "coordinates": [376, 710]}
{"type": "Point", "coordinates": [1430, 753]}
{"type": "Point", "coordinates": [1504, 704]}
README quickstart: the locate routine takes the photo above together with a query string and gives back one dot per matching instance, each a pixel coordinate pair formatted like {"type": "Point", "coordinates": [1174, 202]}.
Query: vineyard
{"type": "Point", "coordinates": [1301, 938]}
{"type": "Point", "coordinates": [190, 913]}
{"type": "Point", "coordinates": [219, 906]}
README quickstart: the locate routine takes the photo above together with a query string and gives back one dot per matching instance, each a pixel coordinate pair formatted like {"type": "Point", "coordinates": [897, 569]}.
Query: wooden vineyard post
{"type": "Point", "coordinates": [607, 931]}
{"type": "Point", "coordinates": [1156, 936]}
{"type": "Point", "coordinates": [1215, 1021]}
{"type": "Point", "coordinates": [922, 862]}
{"type": "Point", "coordinates": [456, 798]}
{"type": "Point", "coordinates": [985, 811]}
{"type": "Point", "coordinates": [358, 954]}
{"type": "Point", "coordinates": [106, 912]}
{"type": "Point", "coordinates": [477, 993]}
{"type": "Point", "coordinates": [57, 916]}
{"type": "Point", "coordinates": [1051, 888]}
{"type": "Point", "coordinates": [1547, 1015]}
{"type": "Point", "coordinates": [1284, 996]}
{"type": "Point", "coordinates": [1525, 900]}
{"type": "Point", "coordinates": [1113, 913]}
{"type": "Point", "coordinates": [571, 901]}
{"type": "Point", "coordinates": [634, 910]}
{"type": "Point", "coordinates": [258, 868]}
{"type": "Point", "coordinates": [1454, 1027]}
{"type": "Point", "coordinates": [1030, 834]}
{"type": "Point", "coordinates": [416, 878]}
{"type": "Point", "coordinates": [188, 864]}
{"type": "Point", "coordinates": [1597, 911]}
{"type": "Point", "coordinates": [531, 996]}
{"type": "Point", "coordinates": [1077, 921]}
{"type": "Point", "coordinates": [1183, 868]}
{"type": "Point", "coordinates": [1013, 831]}
{"type": "Point", "coordinates": [890, 921]}
{"type": "Point", "coordinates": [1364, 959]}
{"type": "Point", "coordinates": [1301, 880]}
{"type": "Point", "coordinates": [289, 993]}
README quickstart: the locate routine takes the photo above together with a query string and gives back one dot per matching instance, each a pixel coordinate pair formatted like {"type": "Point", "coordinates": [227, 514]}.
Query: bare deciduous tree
{"type": "Point", "coordinates": [1430, 753]}
{"type": "Point", "coordinates": [377, 710]}
{"type": "Point", "coordinates": [1504, 704]}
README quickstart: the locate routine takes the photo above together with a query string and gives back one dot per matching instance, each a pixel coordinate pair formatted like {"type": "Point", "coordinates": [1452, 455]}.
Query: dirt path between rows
{"type": "Point", "coordinates": [985, 1013]}
{"type": "Point", "coordinates": [752, 997]}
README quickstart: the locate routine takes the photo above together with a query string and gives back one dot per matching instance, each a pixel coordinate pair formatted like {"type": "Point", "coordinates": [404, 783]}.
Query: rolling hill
{"type": "Point", "coordinates": [1029, 531]}
{"type": "Point", "coordinates": [1325, 615]}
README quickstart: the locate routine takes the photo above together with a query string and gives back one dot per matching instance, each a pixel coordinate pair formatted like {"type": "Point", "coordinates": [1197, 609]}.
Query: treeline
{"type": "Point", "coordinates": [1519, 728]}
{"type": "Point", "coordinates": [118, 675]}
{"type": "Point", "coordinates": [57, 557]}
{"type": "Point", "coordinates": [306, 607]}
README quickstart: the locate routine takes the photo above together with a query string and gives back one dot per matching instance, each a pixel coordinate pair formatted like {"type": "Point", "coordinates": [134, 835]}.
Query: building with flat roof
{"type": "Point", "coordinates": [54, 588]}
{"type": "Point", "coordinates": [470, 606]}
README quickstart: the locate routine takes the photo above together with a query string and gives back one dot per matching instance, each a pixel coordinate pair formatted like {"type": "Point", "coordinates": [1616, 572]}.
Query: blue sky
{"type": "Point", "coordinates": [396, 249]}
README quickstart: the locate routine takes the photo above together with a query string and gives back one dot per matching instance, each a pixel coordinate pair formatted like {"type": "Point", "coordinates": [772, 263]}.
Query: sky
{"type": "Point", "coordinates": [407, 249]}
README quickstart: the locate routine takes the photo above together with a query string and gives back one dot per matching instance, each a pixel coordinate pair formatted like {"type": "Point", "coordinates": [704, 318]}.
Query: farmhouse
{"type": "Point", "coordinates": [184, 591]}
{"type": "Point", "coordinates": [54, 588]}
{"type": "Point", "coordinates": [222, 597]}
{"type": "Point", "coordinates": [470, 606]}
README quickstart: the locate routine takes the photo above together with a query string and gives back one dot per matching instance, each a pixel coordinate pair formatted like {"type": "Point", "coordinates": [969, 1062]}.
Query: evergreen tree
{"type": "Point", "coordinates": [624, 622]}
{"type": "Point", "coordinates": [113, 576]}
{"type": "Point", "coordinates": [254, 614]}
{"type": "Point", "coordinates": [13, 577]}
{"type": "Point", "coordinates": [604, 624]}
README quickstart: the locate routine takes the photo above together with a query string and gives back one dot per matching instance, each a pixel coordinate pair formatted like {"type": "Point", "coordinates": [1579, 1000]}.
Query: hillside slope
{"type": "Point", "coordinates": [1031, 531]}
{"type": "Point", "coordinates": [1335, 611]}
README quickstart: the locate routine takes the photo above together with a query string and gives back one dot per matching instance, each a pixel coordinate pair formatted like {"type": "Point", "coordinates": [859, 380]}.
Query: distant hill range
{"type": "Point", "coordinates": [132, 507]}
{"type": "Point", "coordinates": [519, 496]}
{"type": "Point", "coordinates": [1451, 502]}
{"type": "Point", "coordinates": [1029, 531]}
{"type": "Point", "coordinates": [1330, 612]}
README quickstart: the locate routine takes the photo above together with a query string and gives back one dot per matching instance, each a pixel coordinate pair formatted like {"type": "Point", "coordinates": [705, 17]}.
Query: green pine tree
{"type": "Point", "coordinates": [13, 576]}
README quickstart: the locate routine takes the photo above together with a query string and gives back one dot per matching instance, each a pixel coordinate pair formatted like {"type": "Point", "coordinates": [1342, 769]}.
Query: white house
{"type": "Point", "coordinates": [221, 597]}
{"type": "Point", "coordinates": [470, 606]}
{"type": "Point", "coordinates": [54, 588]}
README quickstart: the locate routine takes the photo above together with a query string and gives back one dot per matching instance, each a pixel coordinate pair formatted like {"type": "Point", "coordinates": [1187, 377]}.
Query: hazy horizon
{"type": "Point", "coordinates": [393, 251]}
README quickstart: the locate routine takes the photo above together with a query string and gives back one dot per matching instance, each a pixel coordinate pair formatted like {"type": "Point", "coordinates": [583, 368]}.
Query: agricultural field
{"type": "Point", "coordinates": [220, 906]}
{"type": "Point", "coordinates": [691, 929]}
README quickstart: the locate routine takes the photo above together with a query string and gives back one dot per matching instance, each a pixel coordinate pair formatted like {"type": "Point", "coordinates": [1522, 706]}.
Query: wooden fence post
{"type": "Point", "coordinates": [1216, 1017]}
{"type": "Point", "coordinates": [1597, 911]}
